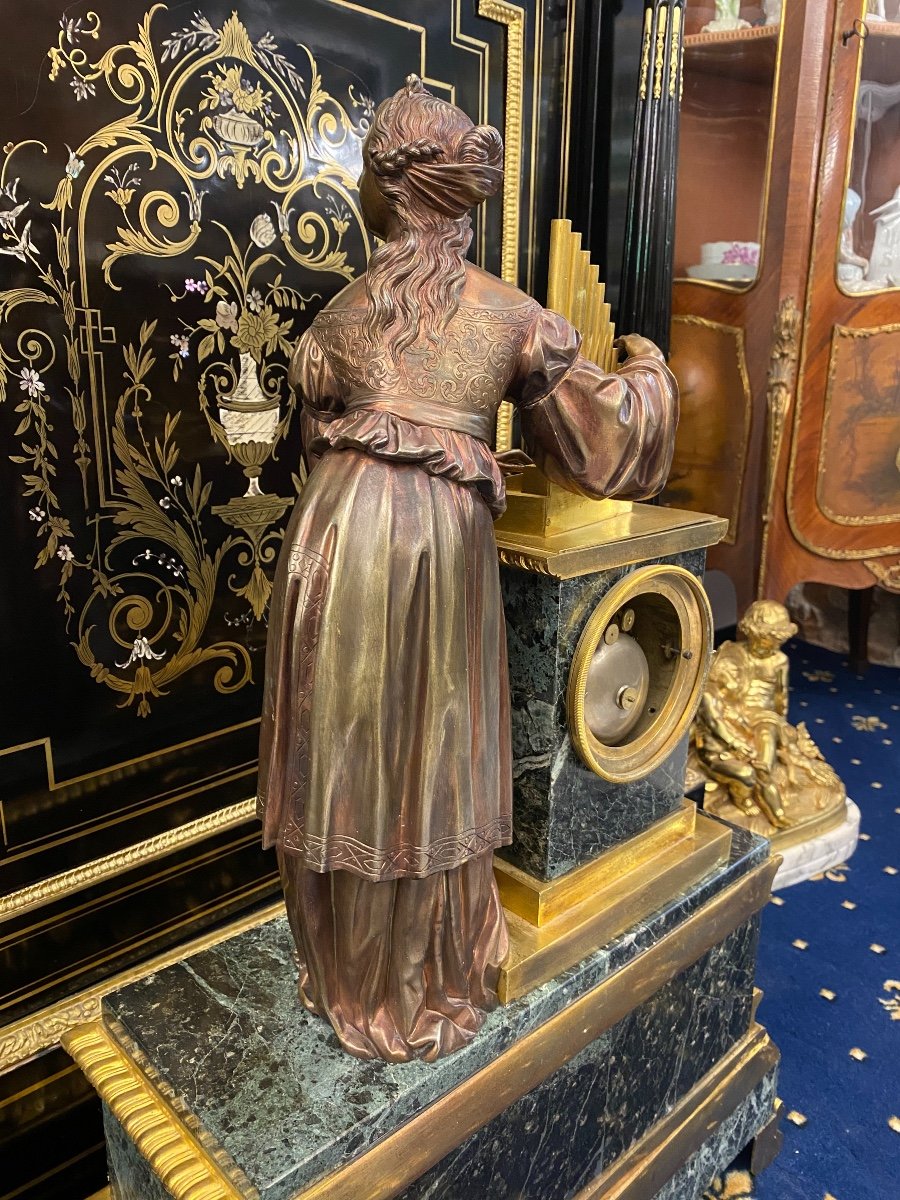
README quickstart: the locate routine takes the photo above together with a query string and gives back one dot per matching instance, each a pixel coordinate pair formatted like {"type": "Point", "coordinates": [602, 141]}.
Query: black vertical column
{"type": "Point", "coordinates": [590, 115]}
{"type": "Point", "coordinates": [645, 295]}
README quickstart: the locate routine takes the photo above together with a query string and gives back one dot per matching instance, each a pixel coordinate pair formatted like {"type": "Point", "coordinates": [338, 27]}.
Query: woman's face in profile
{"type": "Point", "coordinates": [375, 211]}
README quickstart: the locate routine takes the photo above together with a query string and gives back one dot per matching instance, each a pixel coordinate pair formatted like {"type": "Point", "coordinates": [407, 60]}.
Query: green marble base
{"type": "Point", "coordinates": [267, 1093]}
{"type": "Point", "coordinates": [564, 815]}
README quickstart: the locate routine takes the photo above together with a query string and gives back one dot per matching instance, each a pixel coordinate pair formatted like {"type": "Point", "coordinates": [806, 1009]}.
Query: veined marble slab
{"type": "Point", "coordinates": [723, 1145]}
{"type": "Point", "coordinates": [564, 815]}
{"type": "Point", "coordinates": [225, 1031]}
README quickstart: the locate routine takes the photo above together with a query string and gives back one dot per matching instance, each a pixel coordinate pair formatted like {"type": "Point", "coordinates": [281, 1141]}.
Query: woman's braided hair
{"type": "Point", "coordinates": [432, 165]}
{"type": "Point", "coordinates": [396, 159]}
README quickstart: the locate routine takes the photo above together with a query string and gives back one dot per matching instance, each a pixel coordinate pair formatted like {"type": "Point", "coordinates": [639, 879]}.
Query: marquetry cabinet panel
{"type": "Point", "coordinates": [786, 333]}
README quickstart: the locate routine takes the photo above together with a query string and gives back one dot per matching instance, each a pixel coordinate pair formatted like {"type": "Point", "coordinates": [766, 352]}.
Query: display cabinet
{"type": "Point", "coordinates": [786, 328]}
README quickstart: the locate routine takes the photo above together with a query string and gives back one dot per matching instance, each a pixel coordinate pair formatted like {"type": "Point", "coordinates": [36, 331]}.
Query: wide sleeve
{"type": "Point", "coordinates": [589, 431]}
{"type": "Point", "coordinates": [312, 378]}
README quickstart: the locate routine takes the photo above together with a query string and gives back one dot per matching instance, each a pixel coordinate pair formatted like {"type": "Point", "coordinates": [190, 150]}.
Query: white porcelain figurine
{"type": "Point", "coordinates": [884, 266]}
{"type": "Point", "coordinates": [851, 266]}
{"type": "Point", "coordinates": [727, 18]}
{"type": "Point", "coordinates": [772, 9]}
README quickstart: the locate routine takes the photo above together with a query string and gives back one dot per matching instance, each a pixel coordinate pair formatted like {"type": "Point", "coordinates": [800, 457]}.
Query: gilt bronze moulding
{"type": "Point", "coordinates": [387, 634]}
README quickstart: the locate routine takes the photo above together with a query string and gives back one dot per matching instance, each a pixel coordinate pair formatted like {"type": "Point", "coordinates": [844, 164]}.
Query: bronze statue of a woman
{"type": "Point", "coordinates": [385, 759]}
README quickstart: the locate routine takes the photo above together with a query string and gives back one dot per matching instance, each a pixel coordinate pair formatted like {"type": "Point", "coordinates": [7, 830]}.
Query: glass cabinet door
{"type": "Point", "coordinates": [858, 477]}
{"type": "Point", "coordinates": [868, 257]}
{"type": "Point", "coordinates": [843, 484]}
{"type": "Point", "coordinates": [730, 70]}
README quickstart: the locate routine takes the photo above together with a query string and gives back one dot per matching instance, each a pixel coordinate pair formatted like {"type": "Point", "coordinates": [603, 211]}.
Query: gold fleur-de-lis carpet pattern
{"type": "Point", "coordinates": [829, 961]}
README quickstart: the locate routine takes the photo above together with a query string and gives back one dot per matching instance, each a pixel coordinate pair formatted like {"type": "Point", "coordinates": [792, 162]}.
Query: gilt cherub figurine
{"type": "Point", "coordinates": [759, 765]}
{"type": "Point", "coordinates": [385, 777]}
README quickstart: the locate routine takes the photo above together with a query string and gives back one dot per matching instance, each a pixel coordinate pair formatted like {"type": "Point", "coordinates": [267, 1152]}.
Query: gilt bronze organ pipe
{"type": "Point", "coordinates": [574, 291]}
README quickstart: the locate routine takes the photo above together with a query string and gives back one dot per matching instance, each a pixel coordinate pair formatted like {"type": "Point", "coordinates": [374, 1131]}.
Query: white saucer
{"type": "Point", "coordinates": [723, 272]}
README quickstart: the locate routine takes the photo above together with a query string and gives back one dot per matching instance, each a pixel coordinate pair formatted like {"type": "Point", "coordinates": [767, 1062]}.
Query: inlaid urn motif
{"type": "Point", "coordinates": [249, 423]}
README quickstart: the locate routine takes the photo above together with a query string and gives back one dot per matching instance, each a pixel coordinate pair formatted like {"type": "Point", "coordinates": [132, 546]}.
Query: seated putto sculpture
{"type": "Point", "coordinates": [759, 765]}
{"type": "Point", "coordinates": [385, 760]}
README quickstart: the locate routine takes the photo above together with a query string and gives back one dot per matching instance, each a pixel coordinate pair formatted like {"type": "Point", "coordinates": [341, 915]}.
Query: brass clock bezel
{"type": "Point", "coordinates": [635, 759]}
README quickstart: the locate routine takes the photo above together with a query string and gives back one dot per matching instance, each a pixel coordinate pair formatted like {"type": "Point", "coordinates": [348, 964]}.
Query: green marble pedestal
{"type": "Point", "coordinates": [638, 1072]}
{"type": "Point", "coordinates": [564, 813]}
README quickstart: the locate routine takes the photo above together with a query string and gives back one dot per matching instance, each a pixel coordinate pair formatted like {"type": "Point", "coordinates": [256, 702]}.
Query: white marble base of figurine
{"type": "Point", "coordinates": [819, 853]}
{"type": "Point", "coordinates": [725, 25]}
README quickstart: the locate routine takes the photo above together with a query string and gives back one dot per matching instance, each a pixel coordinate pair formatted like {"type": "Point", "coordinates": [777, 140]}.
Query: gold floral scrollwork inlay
{"type": "Point", "coordinates": [779, 388]}
{"type": "Point", "coordinates": [31, 1037]}
{"type": "Point", "coordinates": [227, 175]}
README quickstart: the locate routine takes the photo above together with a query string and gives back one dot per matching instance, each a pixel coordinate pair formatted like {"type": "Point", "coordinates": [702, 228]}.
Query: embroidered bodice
{"type": "Point", "coordinates": [593, 432]}
{"type": "Point", "coordinates": [469, 368]}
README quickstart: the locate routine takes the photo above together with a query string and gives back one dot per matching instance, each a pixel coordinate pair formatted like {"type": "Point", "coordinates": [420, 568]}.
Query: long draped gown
{"type": "Point", "coordinates": [385, 761]}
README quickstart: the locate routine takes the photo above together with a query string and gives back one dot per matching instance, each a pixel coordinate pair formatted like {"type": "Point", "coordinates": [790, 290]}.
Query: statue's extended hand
{"type": "Point", "coordinates": [512, 462]}
{"type": "Point", "coordinates": [634, 345]}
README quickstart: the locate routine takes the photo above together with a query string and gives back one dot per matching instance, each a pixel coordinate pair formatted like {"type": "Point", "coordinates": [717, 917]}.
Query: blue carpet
{"type": "Point", "coordinates": [840, 1072]}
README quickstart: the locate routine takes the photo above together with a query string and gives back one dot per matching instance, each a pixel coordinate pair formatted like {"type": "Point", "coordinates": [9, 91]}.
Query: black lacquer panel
{"type": "Point", "coordinates": [605, 68]}
{"type": "Point", "coordinates": [179, 198]}
{"type": "Point", "coordinates": [51, 1138]}
{"type": "Point", "coordinates": [129, 918]}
